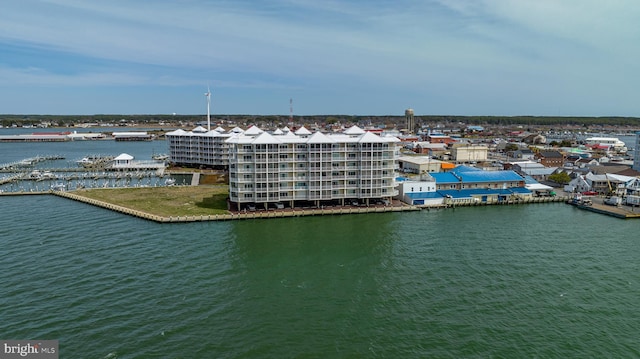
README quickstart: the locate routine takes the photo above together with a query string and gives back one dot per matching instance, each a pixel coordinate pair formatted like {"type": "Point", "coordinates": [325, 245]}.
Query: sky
{"type": "Point", "coordinates": [330, 57]}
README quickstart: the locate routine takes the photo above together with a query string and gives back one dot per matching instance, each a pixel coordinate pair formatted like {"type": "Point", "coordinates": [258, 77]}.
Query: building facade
{"type": "Point", "coordinates": [200, 148]}
{"type": "Point", "coordinates": [299, 169]}
{"type": "Point", "coordinates": [469, 153]}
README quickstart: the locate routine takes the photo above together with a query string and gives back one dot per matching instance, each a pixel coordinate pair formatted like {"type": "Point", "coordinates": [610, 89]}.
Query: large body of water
{"type": "Point", "coordinates": [539, 280]}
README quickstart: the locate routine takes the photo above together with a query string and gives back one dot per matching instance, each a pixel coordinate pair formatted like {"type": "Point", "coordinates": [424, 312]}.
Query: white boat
{"type": "Point", "coordinates": [46, 175]}
{"type": "Point", "coordinates": [160, 157]}
{"type": "Point", "coordinates": [94, 161]}
{"type": "Point", "coordinates": [35, 174]}
{"type": "Point", "coordinates": [58, 187]}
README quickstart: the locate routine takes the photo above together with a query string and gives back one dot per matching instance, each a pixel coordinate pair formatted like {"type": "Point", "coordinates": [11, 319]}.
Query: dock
{"type": "Point", "coordinates": [597, 206]}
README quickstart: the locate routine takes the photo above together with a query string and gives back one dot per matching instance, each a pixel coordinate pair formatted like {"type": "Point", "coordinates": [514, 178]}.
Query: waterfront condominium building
{"type": "Point", "coordinates": [287, 169]}
{"type": "Point", "coordinates": [200, 147]}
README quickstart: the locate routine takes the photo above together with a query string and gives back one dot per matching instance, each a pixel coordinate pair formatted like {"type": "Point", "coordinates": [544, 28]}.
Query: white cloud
{"type": "Point", "coordinates": [463, 46]}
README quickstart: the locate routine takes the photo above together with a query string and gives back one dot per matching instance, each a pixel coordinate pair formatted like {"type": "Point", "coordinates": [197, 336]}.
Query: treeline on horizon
{"type": "Point", "coordinates": [68, 120]}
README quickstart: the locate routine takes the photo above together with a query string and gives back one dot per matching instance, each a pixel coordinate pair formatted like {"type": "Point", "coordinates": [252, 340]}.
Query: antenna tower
{"type": "Point", "coordinates": [291, 110]}
{"type": "Point", "coordinates": [208, 94]}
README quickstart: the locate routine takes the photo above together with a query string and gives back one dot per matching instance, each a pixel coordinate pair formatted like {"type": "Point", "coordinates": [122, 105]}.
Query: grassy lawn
{"type": "Point", "coordinates": [166, 201]}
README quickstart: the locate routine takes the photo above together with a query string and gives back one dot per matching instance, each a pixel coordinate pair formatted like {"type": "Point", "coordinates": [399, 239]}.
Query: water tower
{"type": "Point", "coordinates": [410, 122]}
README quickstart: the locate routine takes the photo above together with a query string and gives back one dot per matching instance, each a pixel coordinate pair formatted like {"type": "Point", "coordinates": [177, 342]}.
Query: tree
{"type": "Point", "coordinates": [511, 147]}
{"type": "Point", "coordinates": [560, 178]}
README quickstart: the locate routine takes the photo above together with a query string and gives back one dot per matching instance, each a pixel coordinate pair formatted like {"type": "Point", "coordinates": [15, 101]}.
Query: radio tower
{"type": "Point", "coordinates": [208, 95]}
{"type": "Point", "coordinates": [290, 111]}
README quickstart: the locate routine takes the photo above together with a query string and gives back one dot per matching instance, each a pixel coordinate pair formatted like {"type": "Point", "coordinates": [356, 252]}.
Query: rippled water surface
{"type": "Point", "coordinates": [541, 280]}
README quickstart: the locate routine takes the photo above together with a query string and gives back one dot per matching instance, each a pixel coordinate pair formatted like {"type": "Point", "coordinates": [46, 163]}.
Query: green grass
{"type": "Point", "coordinates": [166, 201]}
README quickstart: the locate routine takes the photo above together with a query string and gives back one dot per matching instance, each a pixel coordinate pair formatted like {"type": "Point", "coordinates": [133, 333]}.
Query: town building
{"type": "Point", "coordinates": [550, 158]}
{"type": "Point", "coordinates": [536, 170]}
{"type": "Point", "coordinates": [465, 184]}
{"type": "Point", "coordinates": [132, 136]}
{"type": "Point", "coordinates": [439, 138]}
{"type": "Point", "coordinates": [199, 147]}
{"type": "Point", "coordinates": [287, 169]}
{"type": "Point", "coordinates": [462, 153]}
{"type": "Point", "coordinates": [428, 148]}
{"type": "Point", "coordinates": [422, 164]}
{"type": "Point", "coordinates": [420, 192]}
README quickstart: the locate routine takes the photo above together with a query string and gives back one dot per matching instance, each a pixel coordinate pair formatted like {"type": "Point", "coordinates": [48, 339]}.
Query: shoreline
{"type": "Point", "coordinates": [275, 213]}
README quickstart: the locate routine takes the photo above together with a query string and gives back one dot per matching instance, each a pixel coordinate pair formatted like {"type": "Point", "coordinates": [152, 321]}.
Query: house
{"type": "Point", "coordinates": [550, 158]}
{"type": "Point", "coordinates": [607, 183]}
{"type": "Point", "coordinates": [578, 185]}
{"type": "Point", "coordinates": [524, 154]}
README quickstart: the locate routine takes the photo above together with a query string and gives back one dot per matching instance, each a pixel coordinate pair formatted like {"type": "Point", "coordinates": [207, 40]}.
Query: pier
{"type": "Point", "coordinates": [27, 162]}
{"type": "Point", "coordinates": [597, 205]}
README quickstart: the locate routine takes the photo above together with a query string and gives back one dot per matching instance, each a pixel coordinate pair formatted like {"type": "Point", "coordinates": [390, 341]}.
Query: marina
{"type": "Point", "coordinates": [43, 166]}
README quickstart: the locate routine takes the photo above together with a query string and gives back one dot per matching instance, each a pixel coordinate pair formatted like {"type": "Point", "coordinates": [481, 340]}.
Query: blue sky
{"type": "Point", "coordinates": [440, 57]}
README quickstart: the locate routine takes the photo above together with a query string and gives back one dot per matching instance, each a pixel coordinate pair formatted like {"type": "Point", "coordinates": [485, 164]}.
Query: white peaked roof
{"type": "Point", "coordinates": [277, 131]}
{"type": "Point", "coordinates": [123, 157]}
{"type": "Point", "coordinates": [234, 137]}
{"type": "Point", "coordinates": [319, 137]}
{"type": "Point", "coordinates": [289, 134]}
{"type": "Point", "coordinates": [303, 131]}
{"type": "Point", "coordinates": [354, 130]}
{"type": "Point", "coordinates": [285, 129]}
{"type": "Point", "coordinates": [212, 133]}
{"type": "Point", "coordinates": [265, 138]}
{"type": "Point", "coordinates": [199, 129]}
{"type": "Point", "coordinates": [370, 137]}
{"type": "Point", "coordinates": [391, 138]}
{"type": "Point", "coordinates": [253, 131]}
{"type": "Point", "coordinates": [220, 129]}
{"type": "Point", "coordinates": [236, 130]}
{"type": "Point", "coordinates": [178, 132]}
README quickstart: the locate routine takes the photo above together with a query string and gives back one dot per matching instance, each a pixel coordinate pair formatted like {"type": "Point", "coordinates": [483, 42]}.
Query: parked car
{"type": "Point", "coordinates": [590, 193]}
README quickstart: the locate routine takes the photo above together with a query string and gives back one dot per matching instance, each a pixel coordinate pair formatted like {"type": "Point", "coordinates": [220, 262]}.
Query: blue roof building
{"type": "Point", "coordinates": [469, 184]}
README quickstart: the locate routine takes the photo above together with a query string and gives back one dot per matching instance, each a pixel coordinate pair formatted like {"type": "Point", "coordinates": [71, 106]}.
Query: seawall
{"type": "Point", "coordinates": [284, 213]}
